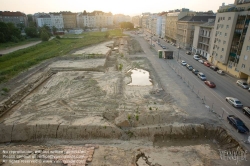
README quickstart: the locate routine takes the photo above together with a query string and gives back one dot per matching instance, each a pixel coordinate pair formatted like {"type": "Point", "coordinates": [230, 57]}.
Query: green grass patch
{"type": "Point", "coordinates": [13, 63]}
{"type": "Point", "coordinates": [13, 44]}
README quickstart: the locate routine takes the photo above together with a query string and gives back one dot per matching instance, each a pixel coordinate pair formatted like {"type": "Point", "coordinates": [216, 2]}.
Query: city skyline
{"type": "Point", "coordinates": [127, 7]}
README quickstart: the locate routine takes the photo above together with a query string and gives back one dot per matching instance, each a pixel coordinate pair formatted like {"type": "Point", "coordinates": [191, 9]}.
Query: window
{"type": "Point", "coordinates": [221, 57]}
{"type": "Point", "coordinates": [227, 27]}
{"type": "Point", "coordinates": [222, 49]}
{"type": "Point", "coordinates": [229, 18]}
{"type": "Point", "coordinates": [243, 66]}
{"type": "Point", "coordinates": [225, 34]}
{"type": "Point", "coordinates": [248, 48]}
{"type": "Point", "coordinates": [224, 42]}
{"type": "Point", "coordinates": [220, 33]}
{"type": "Point", "coordinates": [245, 57]}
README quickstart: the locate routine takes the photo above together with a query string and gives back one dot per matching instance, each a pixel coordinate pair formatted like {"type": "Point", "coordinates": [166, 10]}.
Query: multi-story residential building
{"type": "Point", "coordinates": [144, 21]}
{"type": "Point", "coordinates": [163, 25]}
{"type": "Point", "coordinates": [158, 25]}
{"type": "Point", "coordinates": [97, 19]}
{"type": "Point", "coordinates": [118, 18]}
{"type": "Point", "coordinates": [80, 20]}
{"type": "Point", "coordinates": [137, 21]}
{"type": "Point", "coordinates": [171, 23]}
{"type": "Point", "coordinates": [17, 18]}
{"type": "Point", "coordinates": [44, 20]}
{"type": "Point", "coordinates": [57, 21]}
{"type": "Point", "coordinates": [202, 38]}
{"type": "Point", "coordinates": [186, 27]}
{"type": "Point", "coordinates": [69, 19]}
{"type": "Point", "coordinates": [231, 40]}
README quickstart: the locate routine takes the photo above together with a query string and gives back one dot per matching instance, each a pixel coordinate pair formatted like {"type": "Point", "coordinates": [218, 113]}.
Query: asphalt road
{"type": "Point", "coordinates": [214, 98]}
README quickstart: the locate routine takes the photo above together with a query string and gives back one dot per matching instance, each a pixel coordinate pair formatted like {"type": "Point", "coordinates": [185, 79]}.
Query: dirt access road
{"type": "Point", "coordinates": [12, 49]}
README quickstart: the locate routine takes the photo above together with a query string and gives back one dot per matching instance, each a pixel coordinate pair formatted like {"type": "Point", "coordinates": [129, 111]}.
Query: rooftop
{"type": "Point", "coordinates": [197, 18]}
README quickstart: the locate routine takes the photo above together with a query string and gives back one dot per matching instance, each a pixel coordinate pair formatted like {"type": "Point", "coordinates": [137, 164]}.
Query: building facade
{"type": "Point", "coordinates": [137, 21]}
{"type": "Point", "coordinates": [231, 42]}
{"type": "Point", "coordinates": [17, 18]}
{"type": "Point", "coordinates": [69, 20]}
{"type": "Point", "coordinates": [202, 39]}
{"type": "Point", "coordinates": [186, 27]}
{"type": "Point", "coordinates": [57, 21]}
{"type": "Point", "coordinates": [44, 20]}
{"type": "Point", "coordinates": [118, 18]}
{"type": "Point", "coordinates": [97, 19]}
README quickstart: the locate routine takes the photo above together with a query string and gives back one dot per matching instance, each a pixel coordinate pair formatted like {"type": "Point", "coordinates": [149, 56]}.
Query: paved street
{"type": "Point", "coordinates": [191, 94]}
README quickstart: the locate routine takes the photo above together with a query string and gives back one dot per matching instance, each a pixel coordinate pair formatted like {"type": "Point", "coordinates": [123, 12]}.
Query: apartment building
{"type": "Point", "coordinates": [57, 20]}
{"type": "Point", "coordinates": [137, 21]}
{"type": "Point", "coordinates": [202, 38]}
{"type": "Point", "coordinates": [97, 19]}
{"type": "Point", "coordinates": [44, 20]}
{"type": "Point", "coordinates": [171, 23]}
{"type": "Point", "coordinates": [231, 40]}
{"type": "Point", "coordinates": [69, 19]}
{"type": "Point", "coordinates": [186, 27]}
{"type": "Point", "coordinates": [118, 18]}
{"type": "Point", "coordinates": [163, 25]}
{"type": "Point", "coordinates": [17, 18]}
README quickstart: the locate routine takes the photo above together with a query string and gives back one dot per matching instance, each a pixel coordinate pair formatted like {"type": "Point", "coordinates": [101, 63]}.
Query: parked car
{"type": "Point", "coordinates": [246, 111]}
{"type": "Point", "coordinates": [221, 72]}
{"type": "Point", "coordinates": [201, 61]}
{"type": "Point", "coordinates": [195, 71]}
{"type": "Point", "coordinates": [214, 68]}
{"type": "Point", "coordinates": [237, 123]}
{"type": "Point", "coordinates": [189, 67]}
{"type": "Point", "coordinates": [210, 84]}
{"type": "Point", "coordinates": [183, 63]}
{"type": "Point", "coordinates": [196, 57]}
{"type": "Point", "coordinates": [164, 47]}
{"type": "Point", "coordinates": [243, 84]}
{"type": "Point", "coordinates": [188, 53]}
{"type": "Point", "coordinates": [178, 47]}
{"type": "Point", "coordinates": [234, 102]}
{"type": "Point", "coordinates": [206, 63]}
{"type": "Point", "coordinates": [202, 76]}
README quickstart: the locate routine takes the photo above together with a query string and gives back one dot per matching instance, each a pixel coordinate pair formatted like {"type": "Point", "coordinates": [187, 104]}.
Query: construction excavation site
{"type": "Point", "coordinates": [103, 105]}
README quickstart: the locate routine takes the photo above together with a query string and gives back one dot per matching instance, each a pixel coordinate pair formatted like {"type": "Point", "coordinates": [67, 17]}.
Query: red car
{"type": "Point", "coordinates": [210, 84]}
{"type": "Point", "coordinates": [207, 64]}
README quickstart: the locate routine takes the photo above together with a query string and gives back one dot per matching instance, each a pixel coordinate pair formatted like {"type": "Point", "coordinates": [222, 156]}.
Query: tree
{"type": "Point", "coordinates": [8, 32]}
{"type": "Point", "coordinates": [30, 17]}
{"type": "Point", "coordinates": [44, 36]}
{"type": "Point", "coordinates": [31, 32]}
{"type": "Point", "coordinates": [126, 25]}
{"type": "Point", "coordinates": [54, 29]}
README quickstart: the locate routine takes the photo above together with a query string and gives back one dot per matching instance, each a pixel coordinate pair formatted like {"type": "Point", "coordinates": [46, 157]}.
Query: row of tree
{"type": "Point", "coordinates": [9, 32]}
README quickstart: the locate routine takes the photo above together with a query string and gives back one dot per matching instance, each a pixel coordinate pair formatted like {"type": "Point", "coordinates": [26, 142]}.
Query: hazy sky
{"type": "Point", "coordinates": [129, 7]}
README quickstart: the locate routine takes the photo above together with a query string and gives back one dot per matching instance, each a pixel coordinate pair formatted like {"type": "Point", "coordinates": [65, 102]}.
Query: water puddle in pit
{"type": "Point", "coordinates": [140, 77]}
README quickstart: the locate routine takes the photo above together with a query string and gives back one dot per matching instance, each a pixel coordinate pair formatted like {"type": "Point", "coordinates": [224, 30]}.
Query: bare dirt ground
{"type": "Point", "coordinates": [80, 103]}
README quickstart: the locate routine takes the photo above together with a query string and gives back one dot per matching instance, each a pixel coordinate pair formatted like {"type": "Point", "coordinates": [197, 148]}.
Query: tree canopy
{"type": "Point", "coordinates": [127, 25]}
{"type": "Point", "coordinates": [8, 32]}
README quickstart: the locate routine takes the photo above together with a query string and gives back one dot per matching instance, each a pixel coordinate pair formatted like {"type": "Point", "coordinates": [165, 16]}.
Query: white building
{"type": "Point", "coordinates": [57, 21]}
{"type": "Point", "coordinates": [44, 20]}
{"type": "Point", "coordinates": [118, 18]}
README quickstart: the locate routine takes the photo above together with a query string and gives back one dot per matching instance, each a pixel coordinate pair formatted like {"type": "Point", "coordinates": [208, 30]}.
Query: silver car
{"type": "Point", "coordinates": [234, 102]}
{"type": "Point", "coordinates": [243, 84]}
{"type": "Point", "coordinates": [202, 76]}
